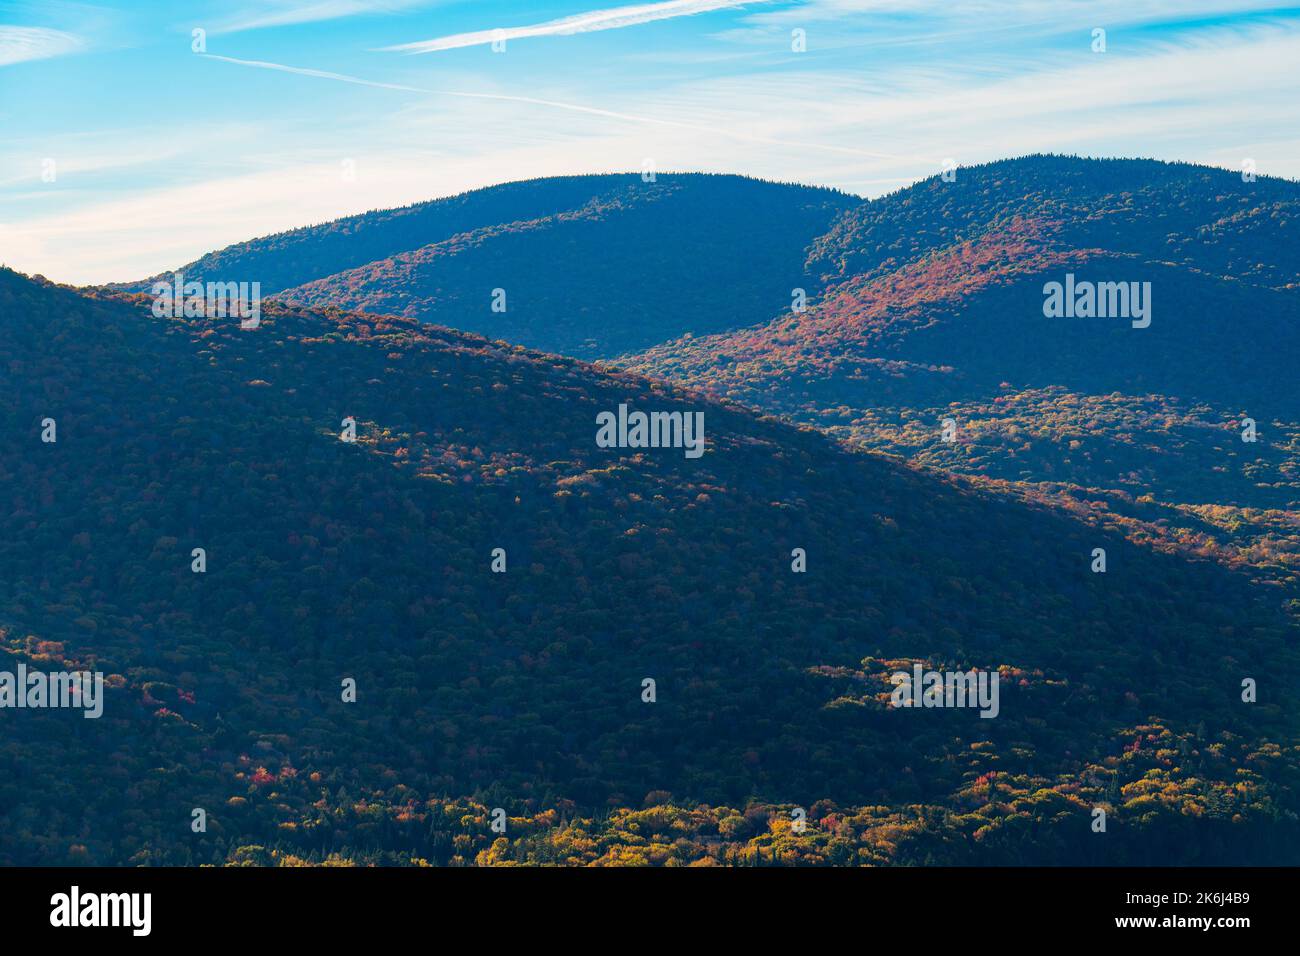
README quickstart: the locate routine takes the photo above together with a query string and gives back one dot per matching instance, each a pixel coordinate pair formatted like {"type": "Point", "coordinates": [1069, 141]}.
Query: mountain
{"type": "Point", "coordinates": [329, 560]}
{"type": "Point", "coordinates": [586, 265]}
{"type": "Point", "coordinates": [933, 308]}
{"type": "Point", "coordinates": [1199, 217]}
{"type": "Point", "coordinates": [924, 305]}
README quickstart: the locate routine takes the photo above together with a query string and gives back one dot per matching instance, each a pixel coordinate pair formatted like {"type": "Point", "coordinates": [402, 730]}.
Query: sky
{"type": "Point", "coordinates": [130, 144]}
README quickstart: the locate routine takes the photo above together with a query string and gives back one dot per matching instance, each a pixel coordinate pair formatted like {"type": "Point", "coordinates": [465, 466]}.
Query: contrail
{"type": "Point", "coordinates": [592, 20]}
{"type": "Point", "coordinates": [572, 107]}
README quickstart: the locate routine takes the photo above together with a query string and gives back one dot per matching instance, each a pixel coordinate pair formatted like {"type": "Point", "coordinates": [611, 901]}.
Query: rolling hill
{"type": "Point", "coordinates": [371, 560]}
{"type": "Point", "coordinates": [924, 305]}
{"type": "Point", "coordinates": [933, 309]}
{"type": "Point", "coordinates": [586, 265]}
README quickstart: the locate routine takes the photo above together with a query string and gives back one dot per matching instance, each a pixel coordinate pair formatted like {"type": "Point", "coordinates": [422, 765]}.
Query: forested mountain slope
{"type": "Point", "coordinates": [328, 560]}
{"type": "Point", "coordinates": [582, 265]}
{"type": "Point", "coordinates": [934, 309]}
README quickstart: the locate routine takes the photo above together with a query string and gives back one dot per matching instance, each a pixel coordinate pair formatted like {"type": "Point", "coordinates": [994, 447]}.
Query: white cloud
{"type": "Point", "coordinates": [22, 158]}
{"type": "Point", "coordinates": [159, 229]}
{"type": "Point", "coordinates": [21, 44]}
{"type": "Point", "coordinates": [1014, 14]}
{"type": "Point", "coordinates": [591, 21]}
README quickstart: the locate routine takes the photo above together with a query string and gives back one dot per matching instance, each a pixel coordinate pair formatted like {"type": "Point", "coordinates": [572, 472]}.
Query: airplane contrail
{"type": "Point", "coordinates": [572, 107]}
{"type": "Point", "coordinates": [610, 19]}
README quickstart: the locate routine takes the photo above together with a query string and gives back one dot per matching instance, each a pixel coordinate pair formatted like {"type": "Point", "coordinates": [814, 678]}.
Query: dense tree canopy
{"type": "Point", "coordinates": [476, 690]}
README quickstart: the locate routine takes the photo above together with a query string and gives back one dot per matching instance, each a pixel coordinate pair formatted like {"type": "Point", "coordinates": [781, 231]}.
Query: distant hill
{"type": "Point", "coordinates": [940, 289]}
{"type": "Point", "coordinates": [1198, 217]}
{"type": "Point", "coordinates": [371, 560]}
{"type": "Point", "coordinates": [588, 265]}
{"type": "Point", "coordinates": [923, 305]}
{"type": "Point", "coordinates": [933, 308]}
{"type": "Point", "coordinates": [314, 252]}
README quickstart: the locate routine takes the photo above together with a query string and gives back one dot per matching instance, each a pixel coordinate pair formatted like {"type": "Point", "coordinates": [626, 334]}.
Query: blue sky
{"type": "Point", "coordinates": [123, 152]}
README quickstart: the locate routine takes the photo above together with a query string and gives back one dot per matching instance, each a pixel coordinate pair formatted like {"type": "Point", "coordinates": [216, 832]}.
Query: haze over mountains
{"type": "Point", "coordinates": [524, 690]}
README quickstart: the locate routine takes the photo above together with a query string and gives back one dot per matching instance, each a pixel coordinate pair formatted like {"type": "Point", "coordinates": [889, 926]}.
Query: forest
{"type": "Point", "coordinates": [522, 692]}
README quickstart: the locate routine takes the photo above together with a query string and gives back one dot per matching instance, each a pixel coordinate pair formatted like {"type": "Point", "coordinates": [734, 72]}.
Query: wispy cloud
{"type": "Point", "coordinates": [295, 12]}
{"type": "Point", "coordinates": [861, 110]}
{"type": "Point", "coordinates": [589, 22]}
{"type": "Point", "coordinates": [20, 44]}
{"type": "Point", "coordinates": [713, 130]}
{"type": "Point", "coordinates": [319, 74]}
{"type": "Point", "coordinates": [1010, 13]}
